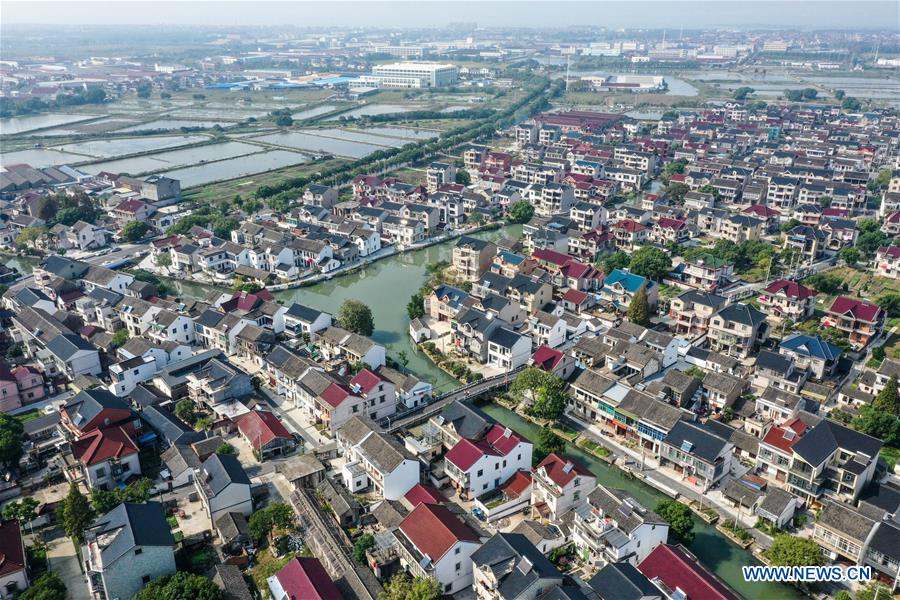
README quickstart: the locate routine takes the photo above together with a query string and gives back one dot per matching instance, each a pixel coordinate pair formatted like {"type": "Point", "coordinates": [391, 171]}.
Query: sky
{"type": "Point", "coordinates": [805, 14]}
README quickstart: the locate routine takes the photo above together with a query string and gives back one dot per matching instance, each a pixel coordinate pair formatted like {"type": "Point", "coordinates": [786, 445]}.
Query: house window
{"type": "Point", "coordinates": [457, 566]}
{"type": "Point", "coordinates": [138, 551]}
{"type": "Point", "coordinates": [479, 473]}
{"type": "Point", "coordinates": [456, 550]}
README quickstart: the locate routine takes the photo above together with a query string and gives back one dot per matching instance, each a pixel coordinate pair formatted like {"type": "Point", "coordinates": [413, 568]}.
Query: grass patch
{"type": "Point", "coordinates": [177, 536]}
{"type": "Point", "coordinates": [30, 415]}
{"type": "Point", "coordinates": [596, 448]}
{"type": "Point", "coordinates": [172, 521]}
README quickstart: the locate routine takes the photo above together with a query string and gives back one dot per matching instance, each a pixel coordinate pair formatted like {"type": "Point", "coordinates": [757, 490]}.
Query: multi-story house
{"type": "Point", "coordinates": [472, 258]}
{"type": "Point", "coordinates": [887, 262]}
{"type": "Point", "coordinates": [737, 329]}
{"type": "Point", "coordinates": [781, 192]}
{"type": "Point", "coordinates": [547, 329]}
{"type": "Point", "coordinates": [509, 567]}
{"type": "Point", "coordinates": [558, 485]}
{"type": "Point", "coordinates": [104, 458]}
{"type": "Point", "coordinates": [670, 231]}
{"type": "Point", "coordinates": [13, 570]}
{"type": "Point", "coordinates": [860, 320]}
{"type": "Point", "coordinates": [785, 299]}
{"type": "Point", "coordinates": [620, 286]}
{"type": "Point", "coordinates": [439, 174]}
{"type": "Point", "coordinates": [698, 453]}
{"type": "Point", "coordinates": [337, 343]}
{"type": "Point", "coordinates": [843, 532]}
{"type": "Point", "coordinates": [692, 311]}
{"type": "Point", "coordinates": [807, 242]}
{"type": "Point", "coordinates": [812, 353]}
{"type": "Point", "coordinates": [629, 234]}
{"type": "Point", "coordinates": [433, 542]}
{"type": "Point", "coordinates": [614, 527]}
{"type": "Point", "coordinates": [834, 460]}
{"type": "Point", "coordinates": [507, 349]}
{"type": "Point", "coordinates": [126, 549]}
{"type": "Point", "coordinates": [778, 371]}
{"type": "Point", "coordinates": [375, 460]}
{"type": "Point", "coordinates": [476, 467]}
{"type": "Point", "coordinates": [739, 228]}
{"type": "Point", "coordinates": [223, 487]}
{"type": "Point", "coordinates": [707, 272]}
{"type": "Point", "coordinates": [773, 458]}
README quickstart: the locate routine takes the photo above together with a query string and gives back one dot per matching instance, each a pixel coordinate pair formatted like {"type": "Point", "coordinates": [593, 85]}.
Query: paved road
{"type": "Point", "coordinates": [63, 560]}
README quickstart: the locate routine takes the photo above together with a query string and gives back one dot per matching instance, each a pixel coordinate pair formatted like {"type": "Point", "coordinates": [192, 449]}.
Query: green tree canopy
{"type": "Point", "coordinates": [520, 211]}
{"type": "Point", "coordinates": [181, 586]}
{"type": "Point", "coordinates": [362, 544]}
{"type": "Point", "coordinates": [792, 551]}
{"type": "Point", "coordinates": [850, 255]}
{"type": "Point", "coordinates": [680, 519]}
{"type": "Point", "coordinates": [356, 317]}
{"type": "Point", "coordinates": [463, 177]}
{"type": "Point", "coordinates": [415, 308]}
{"type": "Point", "coordinates": [11, 437]}
{"type": "Point", "coordinates": [226, 448]}
{"type": "Point", "coordinates": [545, 391]}
{"type": "Point", "coordinates": [639, 308]}
{"type": "Point", "coordinates": [742, 92]}
{"type": "Point", "coordinates": [403, 587]}
{"type": "Point", "coordinates": [547, 443]}
{"type": "Point", "coordinates": [677, 191]}
{"type": "Point", "coordinates": [46, 587]}
{"type": "Point", "coordinates": [186, 410]}
{"type": "Point", "coordinates": [275, 516]}
{"type": "Point", "coordinates": [651, 263]}
{"type": "Point", "coordinates": [888, 400]}
{"type": "Point", "coordinates": [76, 514]}
{"type": "Point", "coordinates": [134, 231]}
{"type": "Point", "coordinates": [612, 261]}
{"type": "Point", "coordinates": [22, 511]}
{"type": "Point", "coordinates": [120, 337]}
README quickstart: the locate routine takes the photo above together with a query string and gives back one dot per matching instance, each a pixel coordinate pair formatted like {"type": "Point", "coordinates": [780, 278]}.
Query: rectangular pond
{"type": "Point", "coordinates": [235, 167]}
{"type": "Point", "coordinates": [174, 158]}
{"type": "Point", "coordinates": [317, 143]}
{"type": "Point", "coordinates": [124, 146]}
{"type": "Point", "coordinates": [405, 133]}
{"type": "Point", "coordinates": [357, 136]}
{"type": "Point", "coordinates": [313, 112]}
{"type": "Point", "coordinates": [373, 109]}
{"type": "Point", "coordinates": [170, 124]}
{"type": "Point", "coordinates": [40, 157]}
{"type": "Point", "coordinates": [23, 124]}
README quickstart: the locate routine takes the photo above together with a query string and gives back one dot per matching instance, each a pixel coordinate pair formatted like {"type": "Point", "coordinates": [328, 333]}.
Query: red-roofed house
{"type": "Point", "coordinates": [104, 457]}
{"type": "Point", "coordinates": [560, 484]}
{"type": "Point", "coordinates": [775, 450]}
{"type": "Point", "coordinates": [676, 569]}
{"type": "Point", "coordinates": [553, 361]}
{"type": "Point", "coordinates": [435, 543]}
{"type": "Point", "coordinates": [861, 320]}
{"type": "Point", "coordinates": [666, 231]}
{"type": "Point", "coordinates": [478, 467]}
{"type": "Point", "coordinates": [132, 210]}
{"type": "Point", "coordinates": [628, 233]}
{"type": "Point", "coordinates": [336, 404]}
{"type": "Point", "coordinates": [13, 572]}
{"type": "Point", "coordinates": [423, 494]}
{"type": "Point", "coordinates": [788, 299]}
{"type": "Point", "coordinates": [266, 434]}
{"type": "Point", "coordinates": [887, 262]}
{"type": "Point", "coordinates": [577, 301]}
{"type": "Point", "coordinates": [379, 393]}
{"type": "Point", "coordinates": [303, 578]}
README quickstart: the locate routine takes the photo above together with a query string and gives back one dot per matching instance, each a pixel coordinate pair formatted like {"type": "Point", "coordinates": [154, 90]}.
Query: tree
{"type": "Point", "coordinates": [226, 448]}
{"type": "Point", "coordinates": [651, 263]}
{"type": "Point", "coordinates": [363, 543]}
{"type": "Point", "coordinates": [639, 308]}
{"type": "Point", "coordinates": [275, 516]}
{"type": "Point", "coordinates": [119, 338]}
{"type": "Point", "coordinates": [12, 434]}
{"type": "Point", "coordinates": [164, 260]}
{"type": "Point", "coordinates": [874, 591]}
{"type": "Point", "coordinates": [793, 95]}
{"type": "Point", "coordinates": [144, 89]}
{"type": "Point", "coordinates": [356, 317]}
{"type": "Point", "coordinates": [415, 308]}
{"type": "Point", "coordinates": [878, 424]}
{"type": "Point", "coordinates": [742, 92]}
{"type": "Point", "coordinates": [547, 443]}
{"type": "Point", "coordinates": [29, 236]}
{"type": "Point", "coordinates": [890, 303]}
{"type": "Point", "coordinates": [284, 120]}
{"type": "Point", "coordinates": [520, 211]}
{"type": "Point", "coordinates": [76, 514]}
{"type": "Point", "coordinates": [850, 255]}
{"type": "Point", "coordinates": [788, 225]}
{"type": "Point", "coordinates": [677, 191]}
{"type": "Point", "coordinates": [134, 231]}
{"type": "Point", "coordinates": [181, 586]}
{"type": "Point", "coordinates": [809, 93]}
{"type": "Point", "coordinates": [888, 400]}
{"type": "Point", "coordinates": [824, 283]}
{"type": "Point", "coordinates": [709, 189]}
{"type": "Point", "coordinates": [839, 94]}
{"type": "Point", "coordinates": [22, 511]}
{"type": "Point", "coordinates": [679, 517]}
{"type": "Point", "coordinates": [403, 587]}
{"type": "Point", "coordinates": [612, 261]}
{"type": "Point", "coordinates": [186, 411]}
{"type": "Point", "coordinates": [104, 501]}
{"type": "Point", "coordinates": [850, 103]}
{"type": "Point", "coordinates": [463, 177]}
{"type": "Point", "coordinates": [791, 551]}
{"type": "Point", "coordinates": [46, 587]}
{"type": "Point", "coordinates": [545, 391]}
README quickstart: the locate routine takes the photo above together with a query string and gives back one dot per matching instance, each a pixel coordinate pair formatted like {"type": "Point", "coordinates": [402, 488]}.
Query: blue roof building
{"type": "Point", "coordinates": [621, 285]}
{"type": "Point", "coordinates": [812, 352]}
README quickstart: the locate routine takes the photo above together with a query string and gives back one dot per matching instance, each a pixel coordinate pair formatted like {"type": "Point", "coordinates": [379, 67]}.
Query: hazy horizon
{"type": "Point", "coordinates": [674, 14]}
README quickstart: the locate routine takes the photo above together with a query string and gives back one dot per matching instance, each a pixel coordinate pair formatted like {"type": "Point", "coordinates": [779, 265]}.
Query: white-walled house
{"type": "Point", "coordinates": [476, 467]}
{"type": "Point", "coordinates": [223, 486]}
{"type": "Point", "coordinates": [558, 485]}
{"type": "Point", "coordinates": [105, 458]}
{"type": "Point", "coordinates": [375, 460]}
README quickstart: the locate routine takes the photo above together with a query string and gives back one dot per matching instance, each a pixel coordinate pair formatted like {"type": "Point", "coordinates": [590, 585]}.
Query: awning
{"type": "Point", "coordinates": [147, 438]}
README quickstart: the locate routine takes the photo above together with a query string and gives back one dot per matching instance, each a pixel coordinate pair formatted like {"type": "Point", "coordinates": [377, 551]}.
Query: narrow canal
{"type": "Point", "coordinates": [714, 550]}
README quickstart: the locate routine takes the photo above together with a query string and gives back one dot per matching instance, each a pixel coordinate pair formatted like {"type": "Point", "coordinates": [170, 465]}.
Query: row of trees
{"type": "Point", "coordinates": [10, 107]}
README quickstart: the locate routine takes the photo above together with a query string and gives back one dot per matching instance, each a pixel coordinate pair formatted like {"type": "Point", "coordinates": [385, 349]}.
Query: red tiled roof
{"type": "Point", "coordinates": [261, 428]}
{"type": "Point", "coordinates": [786, 436]}
{"type": "Point", "coordinates": [306, 579]}
{"type": "Point", "coordinates": [546, 358]}
{"type": "Point", "coordinates": [577, 269]}
{"type": "Point", "coordinates": [791, 289]}
{"type": "Point", "coordinates": [515, 485]}
{"type": "Point", "coordinates": [551, 256]}
{"type": "Point", "coordinates": [860, 309]}
{"type": "Point", "coordinates": [12, 553]}
{"type": "Point", "coordinates": [575, 296]}
{"type": "Point", "coordinates": [676, 568]}
{"type": "Point", "coordinates": [334, 394]}
{"type": "Point", "coordinates": [678, 177]}
{"type": "Point", "coordinates": [891, 251]}
{"type": "Point", "coordinates": [502, 439]}
{"type": "Point", "coordinates": [760, 210]}
{"type": "Point", "coordinates": [835, 212]}
{"type": "Point", "coordinates": [464, 454]}
{"type": "Point", "coordinates": [629, 225]}
{"type": "Point", "coordinates": [366, 380]}
{"type": "Point", "coordinates": [424, 494]}
{"type": "Point", "coordinates": [667, 223]}
{"type": "Point", "coordinates": [130, 206]}
{"type": "Point", "coordinates": [559, 473]}
{"type": "Point", "coordinates": [102, 444]}
{"type": "Point", "coordinates": [434, 530]}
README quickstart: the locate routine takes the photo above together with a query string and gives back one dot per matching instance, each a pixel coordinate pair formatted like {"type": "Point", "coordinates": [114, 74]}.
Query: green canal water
{"type": "Point", "coordinates": [714, 550]}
